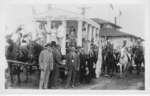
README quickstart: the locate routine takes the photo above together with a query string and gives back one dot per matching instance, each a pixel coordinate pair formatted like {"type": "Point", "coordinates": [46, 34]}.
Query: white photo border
{"type": "Point", "coordinates": [80, 92]}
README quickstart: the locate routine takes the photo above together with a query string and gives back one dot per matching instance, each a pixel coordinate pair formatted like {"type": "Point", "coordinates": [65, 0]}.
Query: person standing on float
{"type": "Point", "coordinates": [61, 38]}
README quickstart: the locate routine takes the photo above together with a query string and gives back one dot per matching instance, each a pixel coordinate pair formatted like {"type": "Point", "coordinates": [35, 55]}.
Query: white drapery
{"type": "Point", "coordinates": [99, 61]}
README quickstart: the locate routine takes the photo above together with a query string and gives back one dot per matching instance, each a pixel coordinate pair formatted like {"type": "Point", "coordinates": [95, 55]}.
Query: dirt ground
{"type": "Point", "coordinates": [132, 82]}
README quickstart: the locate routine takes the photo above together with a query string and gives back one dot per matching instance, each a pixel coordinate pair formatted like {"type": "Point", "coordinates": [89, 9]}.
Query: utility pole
{"type": "Point", "coordinates": [50, 6]}
{"type": "Point", "coordinates": [33, 11]}
{"type": "Point", "coordinates": [115, 20]}
{"type": "Point", "coordinates": [83, 10]}
{"type": "Point", "coordinates": [117, 15]}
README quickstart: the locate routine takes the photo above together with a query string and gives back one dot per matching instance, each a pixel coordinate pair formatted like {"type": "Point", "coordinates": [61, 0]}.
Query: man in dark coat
{"type": "Point", "coordinates": [82, 66]}
{"type": "Point", "coordinates": [57, 62]}
{"type": "Point", "coordinates": [78, 51]}
{"type": "Point", "coordinates": [72, 61]}
{"type": "Point", "coordinates": [91, 62]}
{"type": "Point", "coordinates": [139, 56]}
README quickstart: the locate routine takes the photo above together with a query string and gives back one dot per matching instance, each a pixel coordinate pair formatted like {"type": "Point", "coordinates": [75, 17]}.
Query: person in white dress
{"type": "Point", "coordinates": [61, 38]}
{"type": "Point", "coordinates": [53, 33]}
{"type": "Point", "coordinates": [99, 60]}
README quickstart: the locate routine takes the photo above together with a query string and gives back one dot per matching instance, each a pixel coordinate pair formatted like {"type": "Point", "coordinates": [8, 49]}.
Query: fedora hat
{"type": "Point", "coordinates": [48, 45]}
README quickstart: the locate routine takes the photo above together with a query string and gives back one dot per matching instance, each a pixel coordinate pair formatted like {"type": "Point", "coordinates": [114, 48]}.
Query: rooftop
{"type": "Point", "coordinates": [61, 14]}
{"type": "Point", "coordinates": [101, 21]}
{"type": "Point", "coordinates": [114, 33]}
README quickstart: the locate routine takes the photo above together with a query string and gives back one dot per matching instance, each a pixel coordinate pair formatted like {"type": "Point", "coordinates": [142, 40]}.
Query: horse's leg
{"type": "Point", "coordinates": [130, 66]}
{"type": "Point", "coordinates": [114, 68]}
{"type": "Point", "coordinates": [30, 70]}
{"type": "Point", "coordinates": [110, 70]}
{"type": "Point", "coordinates": [125, 70]}
{"type": "Point", "coordinates": [27, 73]}
{"type": "Point", "coordinates": [10, 72]}
{"type": "Point", "coordinates": [117, 69]}
{"type": "Point", "coordinates": [143, 66]}
{"type": "Point", "coordinates": [120, 66]}
{"type": "Point", "coordinates": [107, 69]}
{"type": "Point", "coordinates": [137, 68]}
{"type": "Point", "coordinates": [18, 74]}
{"type": "Point", "coordinates": [104, 69]}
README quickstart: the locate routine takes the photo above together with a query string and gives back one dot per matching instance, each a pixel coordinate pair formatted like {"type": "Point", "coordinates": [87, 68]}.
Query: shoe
{"type": "Point", "coordinates": [54, 87]}
{"type": "Point", "coordinates": [106, 75]}
{"type": "Point", "coordinates": [72, 86]}
{"type": "Point", "coordinates": [66, 87]}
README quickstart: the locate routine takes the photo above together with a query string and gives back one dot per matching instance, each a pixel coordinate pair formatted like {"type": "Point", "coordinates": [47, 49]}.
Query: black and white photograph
{"type": "Point", "coordinates": [91, 46]}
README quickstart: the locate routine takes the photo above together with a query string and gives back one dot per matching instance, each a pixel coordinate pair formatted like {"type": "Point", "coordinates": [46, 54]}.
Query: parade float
{"type": "Point", "coordinates": [66, 29]}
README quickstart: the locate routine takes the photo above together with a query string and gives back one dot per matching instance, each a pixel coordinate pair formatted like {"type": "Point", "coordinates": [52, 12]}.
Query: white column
{"type": "Point", "coordinates": [79, 34]}
{"type": "Point", "coordinates": [90, 33]}
{"type": "Point", "coordinates": [97, 36]}
{"type": "Point", "coordinates": [92, 29]}
{"type": "Point", "coordinates": [89, 38]}
{"type": "Point", "coordinates": [86, 32]}
{"type": "Point", "coordinates": [48, 28]}
{"type": "Point", "coordinates": [85, 45]}
{"type": "Point", "coordinates": [63, 42]}
{"type": "Point", "coordinates": [94, 33]}
{"type": "Point", "coordinates": [36, 30]}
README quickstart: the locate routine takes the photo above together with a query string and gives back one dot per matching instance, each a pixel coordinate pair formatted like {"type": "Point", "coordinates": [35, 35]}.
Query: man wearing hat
{"type": "Point", "coordinates": [46, 66]}
{"type": "Point", "coordinates": [57, 62]}
{"type": "Point", "coordinates": [139, 56]}
{"type": "Point", "coordinates": [72, 61]}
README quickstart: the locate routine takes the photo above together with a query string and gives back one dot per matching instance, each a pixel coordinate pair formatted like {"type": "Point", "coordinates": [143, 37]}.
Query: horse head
{"type": "Point", "coordinates": [31, 50]}
{"type": "Point", "coordinates": [34, 50]}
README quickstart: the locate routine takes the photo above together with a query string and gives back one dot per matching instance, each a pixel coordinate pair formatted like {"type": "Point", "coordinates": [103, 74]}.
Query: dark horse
{"type": "Point", "coordinates": [138, 56]}
{"type": "Point", "coordinates": [12, 52]}
{"type": "Point", "coordinates": [34, 50]}
{"type": "Point", "coordinates": [109, 61]}
{"type": "Point", "coordinates": [27, 54]}
{"type": "Point", "coordinates": [31, 54]}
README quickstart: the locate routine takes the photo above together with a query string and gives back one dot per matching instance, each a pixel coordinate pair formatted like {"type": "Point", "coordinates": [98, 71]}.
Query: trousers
{"type": "Point", "coordinates": [71, 77]}
{"type": "Point", "coordinates": [44, 79]}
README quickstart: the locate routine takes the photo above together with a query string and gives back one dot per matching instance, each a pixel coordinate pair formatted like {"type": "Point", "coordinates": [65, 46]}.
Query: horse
{"type": "Point", "coordinates": [32, 50]}
{"type": "Point", "coordinates": [108, 60]}
{"type": "Point", "coordinates": [124, 62]}
{"type": "Point", "coordinates": [27, 53]}
{"type": "Point", "coordinates": [138, 57]}
{"type": "Point", "coordinates": [12, 52]}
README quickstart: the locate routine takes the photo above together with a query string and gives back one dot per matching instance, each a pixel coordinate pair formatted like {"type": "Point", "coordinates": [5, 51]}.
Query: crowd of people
{"type": "Point", "coordinates": [79, 68]}
{"type": "Point", "coordinates": [122, 59]}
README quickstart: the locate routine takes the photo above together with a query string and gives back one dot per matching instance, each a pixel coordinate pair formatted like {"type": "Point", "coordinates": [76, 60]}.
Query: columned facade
{"type": "Point", "coordinates": [79, 33]}
{"type": "Point", "coordinates": [62, 42]}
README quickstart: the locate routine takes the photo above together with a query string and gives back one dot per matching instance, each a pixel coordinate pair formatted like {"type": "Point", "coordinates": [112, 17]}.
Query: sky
{"type": "Point", "coordinates": [132, 19]}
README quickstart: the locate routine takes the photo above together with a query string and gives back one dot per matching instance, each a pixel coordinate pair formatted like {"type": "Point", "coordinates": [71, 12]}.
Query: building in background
{"type": "Point", "coordinates": [112, 32]}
